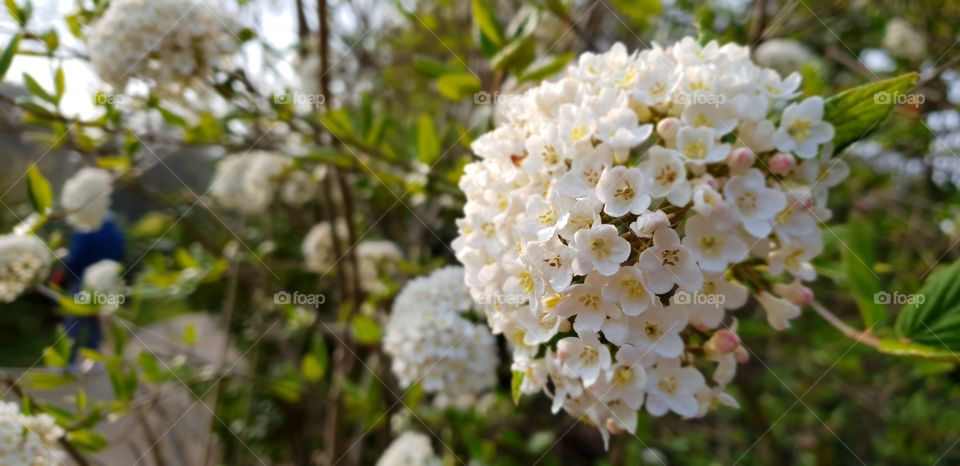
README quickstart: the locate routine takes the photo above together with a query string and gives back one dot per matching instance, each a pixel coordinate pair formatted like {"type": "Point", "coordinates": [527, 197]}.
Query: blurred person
{"type": "Point", "coordinates": [87, 248]}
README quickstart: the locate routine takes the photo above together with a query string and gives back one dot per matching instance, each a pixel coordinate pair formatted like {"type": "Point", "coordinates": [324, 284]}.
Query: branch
{"type": "Point", "coordinates": [860, 336]}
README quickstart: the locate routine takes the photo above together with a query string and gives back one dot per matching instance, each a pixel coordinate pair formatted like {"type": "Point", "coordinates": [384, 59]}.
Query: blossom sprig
{"type": "Point", "coordinates": [617, 214]}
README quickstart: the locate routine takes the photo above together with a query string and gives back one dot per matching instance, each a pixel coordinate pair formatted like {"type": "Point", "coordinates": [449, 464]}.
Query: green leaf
{"type": "Point", "coordinates": [36, 89]}
{"type": "Point", "coordinates": [60, 84]}
{"type": "Point", "coordinates": [190, 334]}
{"type": "Point", "coordinates": [932, 316]}
{"type": "Point", "coordinates": [428, 142]}
{"type": "Point", "coordinates": [856, 112]}
{"type": "Point", "coordinates": [8, 53]}
{"type": "Point", "coordinates": [365, 330]}
{"type": "Point", "coordinates": [486, 20]}
{"type": "Point", "coordinates": [88, 441]}
{"type": "Point", "coordinates": [39, 190]}
{"type": "Point", "coordinates": [310, 368]}
{"type": "Point", "coordinates": [432, 68]}
{"type": "Point", "coordinates": [516, 55]}
{"type": "Point", "coordinates": [545, 67]}
{"type": "Point", "coordinates": [515, 383]}
{"type": "Point", "coordinates": [859, 257]}
{"type": "Point", "coordinates": [639, 11]}
{"type": "Point", "coordinates": [899, 348]}
{"type": "Point", "coordinates": [16, 13]}
{"type": "Point", "coordinates": [458, 85]}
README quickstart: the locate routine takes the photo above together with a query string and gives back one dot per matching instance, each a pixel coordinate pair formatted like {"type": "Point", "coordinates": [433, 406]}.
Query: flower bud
{"type": "Point", "coordinates": [794, 292]}
{"type": "Point", "coordinates": [649, 222]}
{"type": "Point", "coordinates": [667, 128]}
{"type": "Point", "coordinates": [613, 427]}
{"type": "Point", "coordinates": [782, 163]}
{"type": "Point", "coordinates": [740, 159]}
{"type": "Point", "coordinates": [779, 311]}
{"type": "Point", "coordinates": [742, 355]}
{"type": "Point", "coordinates": [723, 341]}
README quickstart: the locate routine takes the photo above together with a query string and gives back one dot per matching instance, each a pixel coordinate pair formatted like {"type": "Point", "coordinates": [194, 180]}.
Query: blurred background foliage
{"type": "Point", "coordinates": [410, 85]}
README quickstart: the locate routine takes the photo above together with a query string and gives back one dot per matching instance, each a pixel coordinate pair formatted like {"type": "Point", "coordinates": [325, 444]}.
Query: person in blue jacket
{"type": "Point", "coordinates": [86, 249]}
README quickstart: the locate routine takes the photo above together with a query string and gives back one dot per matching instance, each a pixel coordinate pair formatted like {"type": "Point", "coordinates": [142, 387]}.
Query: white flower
{"type": "Point", "coordinates": [669, 262]}
{"type": "Point", "coordinates": [902, 40]}
{"type": "Point", "coordinates": [712, 241]}
{"type": "Point", "coordinates": [432, 343]}
{"type": "Point", "coordinates": [666, 176]}
{"type": "Point", "coordinates": [586, 301]}
{"type": "Point", "coordinates": [621, 190]}
{"type": "Point", "coordinates": [626, 379]}
{"type": "Point", "coordinates": [716, 296]}
{"type": "Point", "coordinates": [247, 182]}
{"type": "Point", "coordinates": [626, 288]}
{"type": "Point", "coordinates": [583, 357]}
{"type": "Point", "coordinates": [620, 129]}
{"type": "Point", "coordinates": [377, 260]}
{"type": "Point", "coordinates": [696, 145]}
{"type": "Point", "coordinates": [410, 449]}
{"type": "Point", "coordinates": [753, 202]}
{"type": "Point", "coordinates": [795, 257]}
{"type": "Point", "coordinates": [649, 222]}
{"type": "Point", "coordinates": [783, 55]}
{"type": "Point", "coordinates": [168, 43]}
{"type": "Point", "coordinates": [103, 276]}
{"type": "Point", "coordinates": [24, 260]}
{"type": "Point", "coordinates": [779, 311]}
{"type": "Point", "coordinates": [657, 331]}
{"type": "Point", "coordinates": [317, 246]}
{"type": "Point", "coordinates": [672, 387]}
{"type": "Point", "coordinates": [802, 128]}
{"type": "Point", "coordinates": [86, 198]}
{"type": "Point", "coordinates": [600, 248]}
{"type": "Point", "coordinates": [29, 440]}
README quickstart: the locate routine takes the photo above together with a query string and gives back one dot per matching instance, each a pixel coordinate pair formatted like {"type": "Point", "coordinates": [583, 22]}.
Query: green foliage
{"type": "Point", "coordinates": [39, 190]}
{"type": "Point", "coordinates": [935, 322]}
{"type": "Point", "coordinates": [856, 112]}
{"type": "Point", "coordinates": [859, 258]}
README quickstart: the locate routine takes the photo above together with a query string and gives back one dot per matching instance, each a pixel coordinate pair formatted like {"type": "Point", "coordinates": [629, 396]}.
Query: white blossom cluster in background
{"type": "Point", "coordinates": [24, 260]}
{"type": "Point", "coordinates": [376, 259]}
{"type": "Point", "coordinates": [28, 440]}
{"type": "Point", "coordinates": [433, 343]}
{"type": "Point", "coordinates": [617, 213]}
{"type": "Point", "coordinates": [783, 55]}
{"type": "Point", "coordinates": [86, 198]}
{"type": "Point", "coordinates": [903, 40]}
{"type": "Point", "coordinates": [410, 449]}
{"type": "Point", "coordinates": [250, 182]}
{"type": "Point", "coordinates": [168, 43]}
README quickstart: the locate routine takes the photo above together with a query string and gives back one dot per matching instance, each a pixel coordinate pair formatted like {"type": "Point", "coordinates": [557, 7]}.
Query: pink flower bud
{"type": "Point", "coordinates": [667, 128]}
{"type": "Point", "coordinates": [723, 341]}
{"type": "Point", "coordinates": [794, 292]}
{"type": "Point", "coordinates": [742, 355]}
{"type": "Point", "coordinates": [740, 159]}
{"type": "Point", "coordinates": [781, 163]}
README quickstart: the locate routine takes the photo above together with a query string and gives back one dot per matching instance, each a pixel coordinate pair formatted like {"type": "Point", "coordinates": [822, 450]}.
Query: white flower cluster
{"type": "Point", "coordinates": [28, 440]}
{"type": "Point", "coordinates": [375, 259]}
{"type": "Point", "coordinates": [902, 40]}
{"type": "Point", "coordinates": [410, 449]}
{"type": "Point", "coordinates": [86, 198]}
{"type": "Point", "coordinates": [169, 43]}
{"type": "Point", "coordinates": [617, 214]}
{"type": "Point", "coordinates": [783, 55]}
{"type": "Point", "coordinates": [434, 344]}
{"type": "Point", "coordinates": [249, 182]}
{"type": "Point", "coordinates": [103, 276]}
{"type": "Point", "coordinates": [24, 260]}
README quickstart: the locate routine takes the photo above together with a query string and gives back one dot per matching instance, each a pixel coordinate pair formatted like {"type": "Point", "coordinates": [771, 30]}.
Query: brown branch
{"type": "Point", "coordinates": [860, 336]}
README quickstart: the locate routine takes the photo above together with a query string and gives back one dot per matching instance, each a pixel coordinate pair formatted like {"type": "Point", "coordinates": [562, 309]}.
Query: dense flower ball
{"type": "Point", "coordinates": [248, 182]}
{"type": "Point", "coordinates": [86, 198]}
{"type": "Point", "coordinates": [28, 440]}
{"type": "Point", "coordinates": [902, 40]}
{"type": "Point", "coordinates": [410, 449]}
{"type": "Point", "coordinates": [103, 276]}
{"type": "Point", "coordinates": [616, 214]}
{"type": "Point", "coordinates": [433, 343]}
{"type": "Point", "coordinates": [24, 260]}
{"type": "Point", "coordinates": [317, 247]}
{"type": "Point", "coordinates": [169, 43]}
{"type": "Point", "coordinates": [376, 261]}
